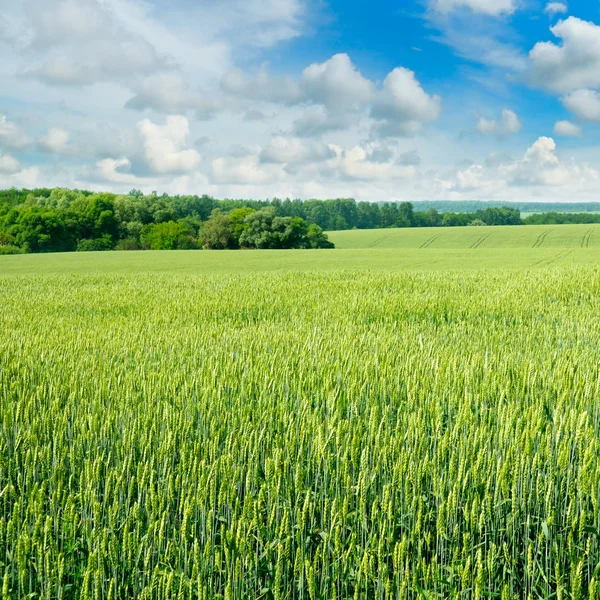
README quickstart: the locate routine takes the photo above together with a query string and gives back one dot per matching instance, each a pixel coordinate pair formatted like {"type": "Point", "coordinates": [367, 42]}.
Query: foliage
{"type": "Point", "coordinates": [7, 249]}
{"type": "Point", "coordinates": [168, 235]}
{"type": "Point", "coordinates": [300, 435]}
{"type": "Point", "coordinates": [96, 245]}
{"type": "Point", "coordinates": [553, 218]}
{"type": "Point", "coordinates": [56, 220]}
{"type": "Point", "coordinates": [217, 232]}
{"type": "Point", "coordinates": [129, 243]}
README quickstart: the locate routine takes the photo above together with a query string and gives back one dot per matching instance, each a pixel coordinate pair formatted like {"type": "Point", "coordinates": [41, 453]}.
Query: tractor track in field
{"type": "Point", "coordinates": [585, 242]}
{"type": "Point", "coordinates": [430, 241]}
{"type": "Point", "coordinates": [541, 239]}
{"type": "Point", "coordinates": [480, 241]}
{"type": "Point", "coordinates": [379, 240]}
{"type": "Point", "coordinates": [546, 262]}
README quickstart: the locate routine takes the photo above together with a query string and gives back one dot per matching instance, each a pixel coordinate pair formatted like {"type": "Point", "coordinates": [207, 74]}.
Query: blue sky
{"type": "Point", "coordinates": [379, 100]}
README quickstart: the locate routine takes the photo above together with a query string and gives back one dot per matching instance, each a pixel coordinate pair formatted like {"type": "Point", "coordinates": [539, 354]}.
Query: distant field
{"type": "Point", "coordinates": [458, 238]}
{"type": "Point", "coordinates": [438, 249]}
{"type": "Point", "coordinates": [197, 262]}
{"type": "Point", "coordinates": [528, 213]}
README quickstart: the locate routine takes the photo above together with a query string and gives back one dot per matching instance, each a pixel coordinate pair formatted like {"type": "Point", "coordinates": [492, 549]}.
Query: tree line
{"type": "Point", "coordinates": [60, 220]}
{"type": "Point", "coordinates": [55, 220]}
{"type": "Point", "coordinates": [524, 207]}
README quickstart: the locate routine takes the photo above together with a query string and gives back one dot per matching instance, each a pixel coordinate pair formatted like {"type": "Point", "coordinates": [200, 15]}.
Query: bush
{"type": "Point", "coordinates": [169, 235]}
{"type": "Point", "coordinates": [6, 239]}
{"type": "Point", "coordinates": [4, 250]}
{"type": "Point", "coordinates": [97, 245]}
{"type": "Point", "coordinates": [129, 243]}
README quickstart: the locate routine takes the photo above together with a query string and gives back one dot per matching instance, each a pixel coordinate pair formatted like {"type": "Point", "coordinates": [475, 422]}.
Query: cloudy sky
{"type": "Point", "coordinates": [379, 100]}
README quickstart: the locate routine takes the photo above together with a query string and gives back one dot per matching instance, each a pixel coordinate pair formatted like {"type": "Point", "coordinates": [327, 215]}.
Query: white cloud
{"type": "Point", "coordinates": [55, 141]}
{"type": "Point", "coordinates": [170, 93]}
{"type": "Point", "coordinates": [357, 164]}
{"type": "Point", "coordinates": [336, 96]}
{"type": "Point", "coordinates": [11, 136]}
{"type": "Point", "coordinates": [509, 123]}
{"type": "Point", "coordinates": [477, 178]}
{"type": "Point", "coordinates": [584, 104]}
{"type": "Point", "coordinates": [245, 170]}
{"type": "Point", "coordinates": [337, 84]}
{"type": "Point", "coordinates": [9, 164]}
{"type": "Point", "coordinates": [567, 129]}
{"type": "Point", "coordinates": [259, 23]}
{"type": "Point", "coordinates": [488, 7]}
{"type": "Point", "coordinates": [539, 167]}
{"type": "Point", "coordinates": [115, 174]}
{"type": "Point", "coordinates": [296, 151]}
{"type": "Point", "coordinates": [30, 177]}
{"type": "Point", "coordinates": [80, 42]}
{"type": "Point", "coordinates": [164, 146]}
{"type": "Point", "coordinates": [556, 8]}
{"type": "Point", "coordinates": [115, 170]}
{"type": "Point", "coordinates": [317, 120]}
{"type": "Point", "coordinates": [572, 65]}
{"type": "Point", "coordinates": [402, 106]}
{"type": "Point", "coordinates": [261, 87]}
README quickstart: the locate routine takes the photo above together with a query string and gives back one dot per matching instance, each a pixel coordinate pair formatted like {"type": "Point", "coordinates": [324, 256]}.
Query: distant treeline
{"type": "Point", "coordinates": [555, 218]}
{"type": "Point", "coordinates": [62, 220]}
{"type": "Point", "coordinates": [524, 207]}
{"type": "Point", "coordinates": [57, 220]}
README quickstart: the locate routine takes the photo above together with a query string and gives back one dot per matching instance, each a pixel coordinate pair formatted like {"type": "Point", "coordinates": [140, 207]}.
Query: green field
{"type": "Point", "coordinates": [480, 238]}
{"type": "Point", "coordinates": [440, 249]}
{"type": "Point", "coordinates": [370, 422]}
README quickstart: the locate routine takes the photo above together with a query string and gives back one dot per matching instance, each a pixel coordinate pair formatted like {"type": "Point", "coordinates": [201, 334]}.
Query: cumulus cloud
{"type": "Point", "coordinates": [571, 65]}
{"type": "Point", "coordinates": [115, 170]}
{"type": "Point", "coordinates": [317, 120]}
{"type": "Point", "coordinates": [296, 151]}
{"type": "Point", "coordinates": [556, 8]}
{"type": "Point", "coordinates": [357, 164]}
{"type": "Point", "coordinates": [509, 123]}
{"type": "Point", "coordinates": [567, 129]}
{"type": "Point", "coordinates": [337, 84]}
{"type": "Point", "coordinates": [11, 135]}
{"type": "Point", "coordinates": [30, 177]}
{"type": "Point", "coordinates": [84, 41]}
{"type": "Point", "coordinates": [402, 106]}
{"type": "Point", "coordinates": [55, 141]}
{"type": "Point", "coordinates": [261, 87]}
{"type": "Point", "coordinates": [170, 93]}
{"type": "Point", "coordinates": [9, 164]}
{"type": "Point", "coordinates": [164, 146]}
{"type": "Point", "coordinates": [336, 96]}
{"type": "Point", "coordinates": [487, 7]}
{"type": "Point", "coordinates": [584, 104]}
{"type": "Point", "coordinates": [245, 170]}
{"type": "Point", "coordinates": [540, 166]}
{"type": "Point", "coordinates": [115, 173]}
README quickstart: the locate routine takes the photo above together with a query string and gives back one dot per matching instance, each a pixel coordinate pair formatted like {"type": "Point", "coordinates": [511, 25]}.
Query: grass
{"type": "Point", "coordinates": [301, 425]}
{"type": "Point", "coordinates": [460, 238]}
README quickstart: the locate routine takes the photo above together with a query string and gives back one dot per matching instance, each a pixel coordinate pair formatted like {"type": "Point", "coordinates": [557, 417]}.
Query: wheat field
{"type": "Point", "coordinates": [300, 434]}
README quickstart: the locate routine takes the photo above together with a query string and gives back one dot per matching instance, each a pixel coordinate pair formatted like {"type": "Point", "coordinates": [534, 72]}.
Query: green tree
{"type": "Point", "coordinates": [237, 221]}
{"type": "Point", "coordinates": [317, 238]}
{"type": "Point", "coordinates": [168, 236]}
{"type": "Point", "coordinates": [38, 229]}
{"type": "Point", "coordinates": [216, 233]}
{"type": "Point", "coordinates": [259, 230]}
